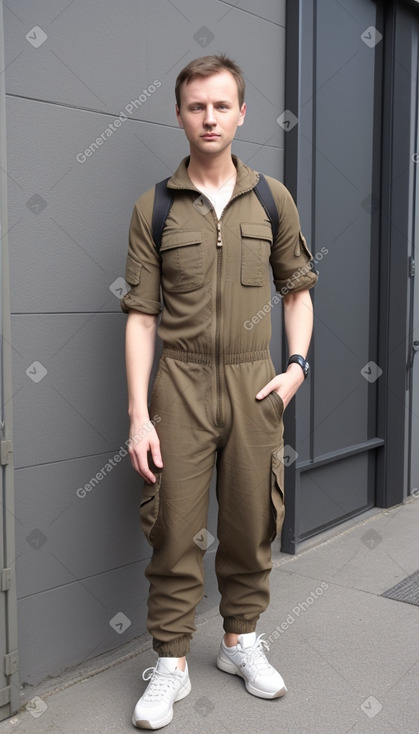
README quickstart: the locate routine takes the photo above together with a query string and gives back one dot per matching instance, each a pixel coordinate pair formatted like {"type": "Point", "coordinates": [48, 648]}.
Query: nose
{"type": "Point", "coordinates": [209, 120]}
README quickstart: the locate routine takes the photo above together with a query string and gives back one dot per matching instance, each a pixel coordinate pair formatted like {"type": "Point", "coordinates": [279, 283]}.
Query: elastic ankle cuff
{"type": "Point", "coordinates": [239, 625]}
{"type": "Point", "coordinates": [177, 648]}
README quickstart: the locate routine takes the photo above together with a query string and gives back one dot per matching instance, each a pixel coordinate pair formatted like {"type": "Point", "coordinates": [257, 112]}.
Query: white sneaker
{"type": "Point", "coordinates": [167, 684]}
{"type": "Point", "coordinates": [248, 660]}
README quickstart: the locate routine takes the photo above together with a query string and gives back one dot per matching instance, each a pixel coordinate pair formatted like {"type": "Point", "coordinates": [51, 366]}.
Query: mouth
{"type": "Point", "coordinates": [210, 136]}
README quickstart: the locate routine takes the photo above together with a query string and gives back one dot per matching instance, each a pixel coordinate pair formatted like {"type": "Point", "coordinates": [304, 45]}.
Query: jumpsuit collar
{"type": "Point", "coordinates": [246, 179]}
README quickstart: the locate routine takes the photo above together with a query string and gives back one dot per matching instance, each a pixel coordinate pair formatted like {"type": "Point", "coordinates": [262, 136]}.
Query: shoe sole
{"type": "Point", "coordinates": [231, 668]}
{"type": "Point", "coordinates": [146, 724]}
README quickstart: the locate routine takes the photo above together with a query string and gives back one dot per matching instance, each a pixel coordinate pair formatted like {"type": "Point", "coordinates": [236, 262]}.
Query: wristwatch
{"type": "Point", "coordinates": [298, 359]}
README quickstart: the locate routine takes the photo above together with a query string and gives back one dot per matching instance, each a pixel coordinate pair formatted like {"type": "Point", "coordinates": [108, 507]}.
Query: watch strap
{"type": "Point", "coordinates": [298, 359]}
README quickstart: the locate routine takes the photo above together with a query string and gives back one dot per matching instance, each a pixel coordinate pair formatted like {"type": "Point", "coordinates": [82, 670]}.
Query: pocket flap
{"type": "Point", "coordinates": [277, 490]}
{"type": "Point", "coordinates": [149, 506]}
{"type": "Point", "coordinates": [132, 271]}
{"type": "Point", "coordinates": [302, 245]}
{"type": "Point", "coordinates": [256, 230]}
{"type": "Point", "coordinates": [181, 238]}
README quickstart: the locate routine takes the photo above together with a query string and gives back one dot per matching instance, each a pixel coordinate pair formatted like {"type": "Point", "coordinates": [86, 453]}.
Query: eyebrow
{"type": "Point", "coordinates": [219, 101]}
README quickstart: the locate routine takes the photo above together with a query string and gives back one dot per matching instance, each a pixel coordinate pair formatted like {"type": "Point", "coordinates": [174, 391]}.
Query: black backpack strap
{"type": "Point", "coordinates": [163, 200]}
{"type": "Point", "coordinates": [264, 194]}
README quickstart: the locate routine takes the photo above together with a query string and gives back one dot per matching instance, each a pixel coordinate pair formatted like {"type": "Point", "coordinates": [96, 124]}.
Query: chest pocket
{"type": "Point", "coordinates": [256, 241]}
{"type": "Point", "coordinates": [182, 261]}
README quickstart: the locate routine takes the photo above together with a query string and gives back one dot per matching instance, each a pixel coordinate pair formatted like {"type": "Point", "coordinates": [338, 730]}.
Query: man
{"type": "Point", "coordinates": [216, 397]}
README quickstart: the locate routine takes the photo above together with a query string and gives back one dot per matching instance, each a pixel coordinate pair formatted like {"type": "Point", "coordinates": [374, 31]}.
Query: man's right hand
{"type": "Point", "coordinates": [144, 443]}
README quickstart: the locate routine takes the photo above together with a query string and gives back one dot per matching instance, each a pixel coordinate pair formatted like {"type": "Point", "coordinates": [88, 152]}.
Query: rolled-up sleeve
{"type": "Point", "coordinates": [291, 260]}
{"type": "Point", "coordinates": [143, 266]}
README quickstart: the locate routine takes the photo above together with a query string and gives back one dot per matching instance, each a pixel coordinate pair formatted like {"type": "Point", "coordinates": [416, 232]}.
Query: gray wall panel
{"type": "Point", "coordinates": [273, 10]}
{"type": "Point", "coordinates": [65, 257]}
{"type": "Point", "coordinates": [70, 624]}
{"type": "Point", "coordinates": [79, 406]}
{"type": "Point", "coordinates": [331, 492]}
{"type": "Point", "coordinates": [56, 522]}
{"type": "Point", "coordinates": [103, 60]}
{"type": "Point", "coordinates": [269, 160]}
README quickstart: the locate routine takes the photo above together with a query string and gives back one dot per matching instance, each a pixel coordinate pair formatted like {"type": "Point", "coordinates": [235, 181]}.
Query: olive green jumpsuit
{"type": "Point", "coordinates": [211, 282]}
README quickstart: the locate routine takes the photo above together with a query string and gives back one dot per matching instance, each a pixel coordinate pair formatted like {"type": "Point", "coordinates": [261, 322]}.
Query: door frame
{"type": "Point", "coordinates": [396, 274]}
{"type": "Point", "coordinates": [413, 264]}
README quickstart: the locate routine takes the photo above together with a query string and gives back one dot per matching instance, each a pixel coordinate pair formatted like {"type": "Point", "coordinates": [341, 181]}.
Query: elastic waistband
{"type": "Point", "coordinates": [208, 359]}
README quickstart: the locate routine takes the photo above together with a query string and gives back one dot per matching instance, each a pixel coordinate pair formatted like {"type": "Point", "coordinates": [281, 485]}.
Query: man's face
{"type": "Point", "coordinates": [210, 112]}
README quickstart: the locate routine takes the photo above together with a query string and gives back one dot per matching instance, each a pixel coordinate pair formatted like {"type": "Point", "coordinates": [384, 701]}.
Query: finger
{"type": "Point", "coordinates": [155, 451]}
{"type": "Point", "coordinates": [139, 460]}
{"type": "Point", "coordinates": [148, 476]}
{"type": "Point", "coordinates": [265, 391]}
{"type": "Point", "coordinates": [145, 471]}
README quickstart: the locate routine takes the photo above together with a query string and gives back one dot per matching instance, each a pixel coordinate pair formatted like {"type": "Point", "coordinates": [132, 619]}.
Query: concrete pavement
{"type": "Point", "coordinates": [349, 657]}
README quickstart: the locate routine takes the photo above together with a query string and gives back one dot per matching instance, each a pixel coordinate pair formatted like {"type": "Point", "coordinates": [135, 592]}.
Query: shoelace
{"type": "Point", "coordinates": [159, 684]}
{"type": "Point", "coordinates": [255, 655]}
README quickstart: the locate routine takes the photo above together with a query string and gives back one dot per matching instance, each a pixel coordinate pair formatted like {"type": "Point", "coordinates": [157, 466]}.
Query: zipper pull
{"type": "Point", "coordinates": [219, 240]}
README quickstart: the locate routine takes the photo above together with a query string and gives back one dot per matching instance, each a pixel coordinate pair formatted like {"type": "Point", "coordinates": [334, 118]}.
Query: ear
{"type": "Point", "coordinates": [179, 119]}
{"type": "Point", "coordinates": [242, 114]}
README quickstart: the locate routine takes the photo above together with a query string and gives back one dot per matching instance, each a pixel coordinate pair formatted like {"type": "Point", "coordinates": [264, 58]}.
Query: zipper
{"type": "Point", "coordinates": [219, 409]}
{"type": "Point", "coordinates": [219, 240]}
{"type": "Point", "coordinates": [219, 419]}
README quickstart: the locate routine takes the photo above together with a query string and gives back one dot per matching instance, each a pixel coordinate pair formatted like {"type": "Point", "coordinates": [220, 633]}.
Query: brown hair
{"type": "Point", "coordinates": [206, 66]}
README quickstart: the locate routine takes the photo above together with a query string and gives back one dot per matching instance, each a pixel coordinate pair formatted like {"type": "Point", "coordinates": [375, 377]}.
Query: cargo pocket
{"type": "Point", "coordinates": [182, 261]}
{"type": "Point", "coordinates": [277, 491]}
{"type": "Point", "coordinates": [132, 271]}
{"type": "Point", "coordinates": [149, 507]}
{"type": "Point", "coordinates": [302, 246]}
{"type": "Point", "coordinates": [256, 241]}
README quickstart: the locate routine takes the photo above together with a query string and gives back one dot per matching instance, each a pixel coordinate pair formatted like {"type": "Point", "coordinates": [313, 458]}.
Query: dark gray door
{"type": "Point", "coordinates": [333, 156]}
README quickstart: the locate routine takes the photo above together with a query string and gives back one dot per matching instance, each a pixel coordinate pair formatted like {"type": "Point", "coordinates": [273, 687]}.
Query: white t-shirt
{"type": "Point", "coordinates": [220, 197]}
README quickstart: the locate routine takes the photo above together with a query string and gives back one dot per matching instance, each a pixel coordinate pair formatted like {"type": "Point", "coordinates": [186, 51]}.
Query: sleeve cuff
{"type": "Point", "coordinates": [300, 280]}
{"type": "Point", "coordinates": [131, 301]}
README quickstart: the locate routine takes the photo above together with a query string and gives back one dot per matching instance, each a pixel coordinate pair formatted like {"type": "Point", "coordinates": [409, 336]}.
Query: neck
{"type": "Point", "coordinates": [211, 172]}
